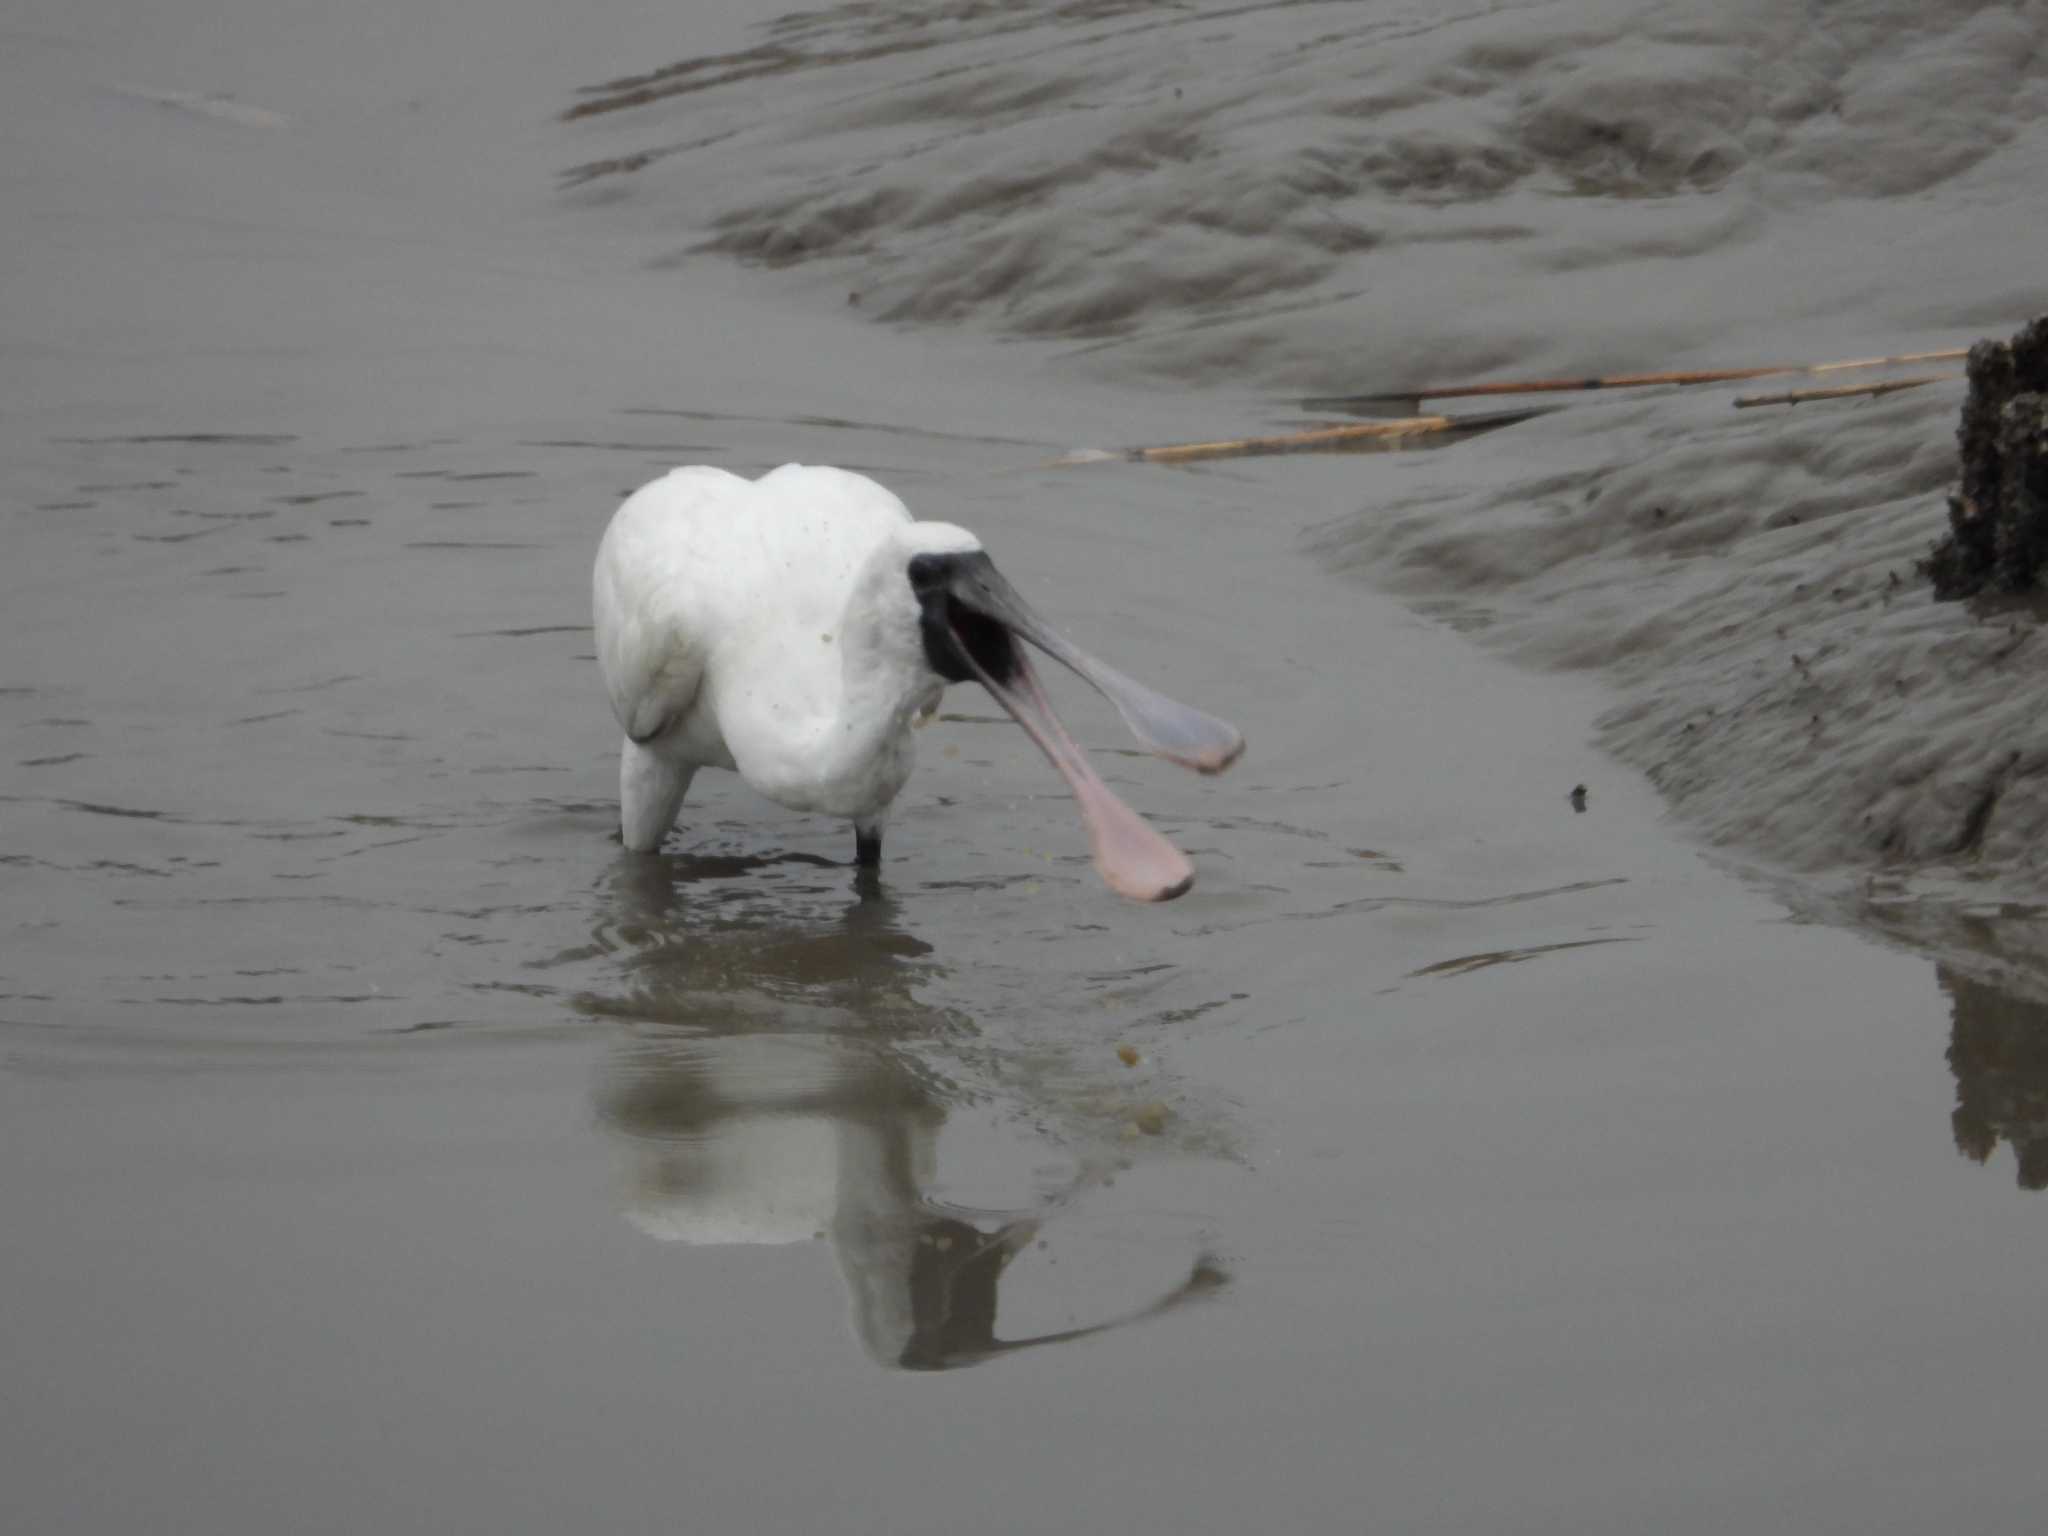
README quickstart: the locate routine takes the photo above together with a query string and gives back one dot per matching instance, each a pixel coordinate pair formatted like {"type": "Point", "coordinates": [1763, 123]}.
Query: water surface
{"type": "Point", "coordinates": [384, 1149]}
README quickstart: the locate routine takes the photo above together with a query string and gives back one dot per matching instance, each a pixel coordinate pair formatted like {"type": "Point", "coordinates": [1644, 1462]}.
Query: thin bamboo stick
{"type": "Point", "coordinates": [1382, 433]}
{"type": "Point", "coordinates": [1631, 380]}
{"type": "Point", "coordinates": [1842, 391]}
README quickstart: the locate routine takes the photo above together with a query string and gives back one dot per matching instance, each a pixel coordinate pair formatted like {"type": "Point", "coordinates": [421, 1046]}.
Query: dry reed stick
{"type": "Point", "coordinates": [1630, 380]}
{"type": "Point", "coordinates": [1842, 391]}
{"type": "Point", "coordinates": [1381, 433]}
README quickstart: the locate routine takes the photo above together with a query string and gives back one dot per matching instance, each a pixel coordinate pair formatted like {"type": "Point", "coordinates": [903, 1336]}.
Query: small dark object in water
{"type": "Point", "coordinates": [1998, 512]}
{"type": "Point", "coordinates": [1578, 798]}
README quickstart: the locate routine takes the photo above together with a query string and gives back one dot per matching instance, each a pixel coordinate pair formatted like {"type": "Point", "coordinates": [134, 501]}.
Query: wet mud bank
{"type": "Point", "coordinates": [1331, 196]}
{"type": "Point", "coordinates": [1753, 588]}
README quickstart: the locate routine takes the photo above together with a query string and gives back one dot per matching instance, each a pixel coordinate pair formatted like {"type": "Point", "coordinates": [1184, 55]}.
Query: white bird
{"type": "Point", "coordinates": [792, 628]}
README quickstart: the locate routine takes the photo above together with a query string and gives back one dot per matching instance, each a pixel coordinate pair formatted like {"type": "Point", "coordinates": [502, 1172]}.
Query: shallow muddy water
{"type": "Point", "coordinates": [382, 1149]}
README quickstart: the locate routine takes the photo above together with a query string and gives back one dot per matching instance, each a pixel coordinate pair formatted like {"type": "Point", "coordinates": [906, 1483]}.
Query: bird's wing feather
{"type": "Point", "coordinates": [816, 527]}
{"type": "Point", "coordinates": [663, 589]}
{"type": "Point", "coordinates": [702, 570]}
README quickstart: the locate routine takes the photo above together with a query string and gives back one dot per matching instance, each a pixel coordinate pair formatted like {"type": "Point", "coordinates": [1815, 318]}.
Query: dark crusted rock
{"type": "Point", "coordinates": [1998, 512]}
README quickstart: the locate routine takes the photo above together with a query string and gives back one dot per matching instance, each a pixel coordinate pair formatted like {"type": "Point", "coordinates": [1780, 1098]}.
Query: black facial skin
{"type": "Point", "coordinates": [947, 623]}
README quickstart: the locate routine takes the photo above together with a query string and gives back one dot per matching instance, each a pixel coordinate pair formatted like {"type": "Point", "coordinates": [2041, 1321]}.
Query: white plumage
{"type": "Point", "coordinates": [791, 628]}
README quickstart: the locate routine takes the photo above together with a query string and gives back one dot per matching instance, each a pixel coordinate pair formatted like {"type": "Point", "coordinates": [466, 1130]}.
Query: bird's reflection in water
{"type": "Point", "coordinates": [1998, 1050]}
{"type": "Point", "coordinates": [782, 1082]}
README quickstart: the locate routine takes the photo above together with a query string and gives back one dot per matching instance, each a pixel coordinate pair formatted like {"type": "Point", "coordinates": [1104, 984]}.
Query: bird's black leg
{"type": "Point", "coordinates": [867, 845]}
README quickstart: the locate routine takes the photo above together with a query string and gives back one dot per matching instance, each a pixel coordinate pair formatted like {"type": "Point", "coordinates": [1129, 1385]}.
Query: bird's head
{"type": "Point", "coordinates": [972, 621]}
{"type": "Point", "coordinates": [960, 638]}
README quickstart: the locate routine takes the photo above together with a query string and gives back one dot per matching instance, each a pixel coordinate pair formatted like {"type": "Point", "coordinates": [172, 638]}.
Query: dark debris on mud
{"type": "Point", "coordinates": [1998, 513]}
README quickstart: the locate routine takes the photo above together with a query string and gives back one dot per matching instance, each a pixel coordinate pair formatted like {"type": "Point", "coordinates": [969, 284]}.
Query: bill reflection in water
{"type": "Point", "coordinates": [778, 1088]}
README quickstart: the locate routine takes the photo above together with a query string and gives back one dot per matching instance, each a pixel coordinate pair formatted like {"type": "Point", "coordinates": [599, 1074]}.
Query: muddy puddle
{"type": "Point", "coordinates": [382, 1149]}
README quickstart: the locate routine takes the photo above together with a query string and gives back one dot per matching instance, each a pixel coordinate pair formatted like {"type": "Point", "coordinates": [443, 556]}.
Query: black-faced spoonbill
{"type": "Point", "coordinates": [792, 628]}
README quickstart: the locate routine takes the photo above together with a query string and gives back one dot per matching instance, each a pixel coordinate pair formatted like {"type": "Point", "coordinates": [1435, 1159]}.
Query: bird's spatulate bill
{"type": "Point", "coordinates": [1168, 728]}
{"type": "Point", "coordinates": [1133, 860]}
